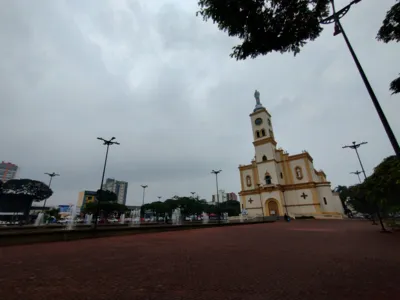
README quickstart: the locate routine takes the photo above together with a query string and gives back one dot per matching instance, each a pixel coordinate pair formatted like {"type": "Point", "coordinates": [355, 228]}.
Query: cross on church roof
{"type": "Point", "coordinates": [304, 196]}
{"type": "Point", "coordinates": [250, 201]}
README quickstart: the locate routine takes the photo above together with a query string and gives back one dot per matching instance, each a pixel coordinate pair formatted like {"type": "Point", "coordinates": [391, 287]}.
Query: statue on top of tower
{"type": "Point", "coordinates": [257, 96]}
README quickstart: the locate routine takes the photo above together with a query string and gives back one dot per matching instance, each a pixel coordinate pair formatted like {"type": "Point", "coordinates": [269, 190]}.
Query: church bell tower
{"type": "Point", "coordinates": [263, 134]}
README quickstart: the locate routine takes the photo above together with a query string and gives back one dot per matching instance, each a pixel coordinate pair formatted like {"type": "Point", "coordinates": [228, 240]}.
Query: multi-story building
{"type": "Point", "coordinates": [7, 171]}
{"type": "Point", "coordinates": [120, 188]}
{"type": "Point", "coordinates": [231, 196]}
{"type": "Point", "coordinates": [85, 197]}
{"type": "Point", "coordinates": [223, 197]}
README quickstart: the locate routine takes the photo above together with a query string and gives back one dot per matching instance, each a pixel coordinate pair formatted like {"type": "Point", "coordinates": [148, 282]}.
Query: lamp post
{"type": "Point", "coordinates": [262, 206]}
{"type": "Point", "coordinates": [193, 194]}
{"type": "Point", "coordinates": [144, 188]}
{"type": "Point", "coordinates": [358, 174]}
{"type": "Point", "coordinates": [51, 178]}
{"type": "Point", "coordinates": [355, 146]}
{"type": "Point", "coordinates": [216, 181]}
{"type": "Point", "coordinates": [335, 18]}
{"type": "Point", "coordinates": [107, 143]}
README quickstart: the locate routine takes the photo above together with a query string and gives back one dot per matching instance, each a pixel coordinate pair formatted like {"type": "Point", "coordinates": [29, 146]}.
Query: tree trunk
{"type": "Point", "coordinates": [381, 222]}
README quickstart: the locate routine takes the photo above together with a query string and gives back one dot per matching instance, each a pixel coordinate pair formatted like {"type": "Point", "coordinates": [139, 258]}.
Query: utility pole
{"type": "Point", "coordinates": [107, 143]}
{"type": "Point", "coordinates": [358, 174]}
{"type": "Point", "coordinates": [355, 147]}
{"type": "Point", "coordinates": [335, 18]}
{"type": "Point", "coordinates": [216, 181]}
{"type": "Point", "coordinates": [51, 178]}
{"type": "Point", "coordinates": [144, 188]}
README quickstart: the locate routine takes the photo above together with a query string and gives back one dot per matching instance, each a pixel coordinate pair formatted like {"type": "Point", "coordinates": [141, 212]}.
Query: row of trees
{"type": "Point", "coordinates": [192, 206]}
{"type": "Point", "coordinates": [108, 205]}
{"type": "Point", "coordinates": [378, 196]}
{"type": "Point", "coordinates": [266, 26]}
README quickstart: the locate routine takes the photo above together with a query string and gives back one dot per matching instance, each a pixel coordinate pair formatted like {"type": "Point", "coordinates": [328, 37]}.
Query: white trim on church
{"type": "Point", "coordinates": [275, 183]}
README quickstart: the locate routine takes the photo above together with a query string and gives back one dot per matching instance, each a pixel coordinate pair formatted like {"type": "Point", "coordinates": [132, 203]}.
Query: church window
{"type": "Point", "coordinates": [281, 175]}
{"type": "Point", "coordinates": [268, 178]}
{"type": "Point", "coordinates": [269, 122]}
{"type": "Point", "coordinates": [271, 134]}
{"type": "Point", "coordinates": [299, 173]}
{"type": "Point", "coordinates": [264, 158]}
{"type": "Point", "coordinates": [325, 202]}
{"type": "Point", "coordinates": [262, 132]}
{"type": "Point", "coordinates": [248, 180]}
{"type": "Point", "coordinates": [257, 133]}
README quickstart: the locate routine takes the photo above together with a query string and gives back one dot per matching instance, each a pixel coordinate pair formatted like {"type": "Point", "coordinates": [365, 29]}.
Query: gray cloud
{"type": "Point", "coordinates": [162, 82]}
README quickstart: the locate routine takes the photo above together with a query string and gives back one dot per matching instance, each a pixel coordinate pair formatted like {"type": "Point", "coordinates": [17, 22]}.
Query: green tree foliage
{"type": "Point", "coordinates": [191, 206]}
{"type": "Point", "coordinates": [389, 32]}
{"type": "Point", "coordinates": [379, 193]}
{"type": "Point", "coordinates": [106, 196]}
{"type": "Point", "coordinates": [267, 25]}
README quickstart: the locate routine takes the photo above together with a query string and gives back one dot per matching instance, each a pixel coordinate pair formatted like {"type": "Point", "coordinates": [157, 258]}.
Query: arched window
{"type": "Point", "coordinates": [299, 173]}
{"type": "Point", "coordinates": [264, 158]}
{"type": "Point", "coordinates": [263, 132]}
{"type": "Point", "coordinates": [257, 133]}
{"type": "Point", "coordinates": [325, 202]}
{"type": "Point", "coordinates": [248, 180]}
{"type": "Point", "coordinates": [267, 178]}
{"type": "Point", "coordinates": [269, 122]}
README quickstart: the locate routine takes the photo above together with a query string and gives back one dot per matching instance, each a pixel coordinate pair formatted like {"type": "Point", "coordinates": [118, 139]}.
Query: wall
{"type": "Point", "coordinates": [333, 202]}
{"type": "Point", "coordinates": [294, 198]}
{"type": "Point", "coordinates": [302, 164]}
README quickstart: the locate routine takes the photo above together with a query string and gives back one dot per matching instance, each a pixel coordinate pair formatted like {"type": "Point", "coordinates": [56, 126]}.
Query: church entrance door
{"type": "Point", "coordinates": [273, 208]}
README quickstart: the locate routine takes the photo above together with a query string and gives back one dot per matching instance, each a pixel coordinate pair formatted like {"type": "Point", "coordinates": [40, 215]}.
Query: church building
{"type": "Point", "coordinates": [275, 183]}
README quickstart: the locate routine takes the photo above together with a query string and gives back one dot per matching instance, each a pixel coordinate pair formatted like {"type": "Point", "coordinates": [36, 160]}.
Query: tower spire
{"type": "Point", "coordinates": [258, 102]}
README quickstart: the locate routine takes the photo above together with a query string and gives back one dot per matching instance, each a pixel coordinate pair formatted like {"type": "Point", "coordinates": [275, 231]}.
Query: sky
{"type": "Point", "coordinates": [160, 80]}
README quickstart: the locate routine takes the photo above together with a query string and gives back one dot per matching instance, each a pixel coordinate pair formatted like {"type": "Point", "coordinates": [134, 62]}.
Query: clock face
{"type": "Point", "coordinates": [258, 121]}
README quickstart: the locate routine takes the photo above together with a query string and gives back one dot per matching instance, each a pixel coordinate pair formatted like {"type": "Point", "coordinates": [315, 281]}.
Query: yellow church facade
{"type": "Point", "coordinates": [275, 183]}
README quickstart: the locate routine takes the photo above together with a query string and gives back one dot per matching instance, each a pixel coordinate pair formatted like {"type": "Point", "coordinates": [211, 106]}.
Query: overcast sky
{"type": "Point", "coordinates": [161, 81]}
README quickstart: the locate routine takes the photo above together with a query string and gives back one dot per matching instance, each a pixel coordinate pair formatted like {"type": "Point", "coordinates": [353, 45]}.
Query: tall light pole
{"type": "Point", "coordinates": [358, 174]}
{"type": "Point", "coordinates": [335, 18]}
{"type": "Point", "coordinates": [144, 188]}
{"type": "Point", "coordinates": [107, 143]}
{"type": "Point", "coordinates": [262, 206]}
{"type": "Point", "coordinates": [193, 194]}
{"type": "Point", "coordinates": [355, 146]}
{"type": "Point", "coordinates": [159, 198]}
{"type": "Point", "coordinates": [51, 178]}
{"type": "Point", "coordinates": [216, 181]}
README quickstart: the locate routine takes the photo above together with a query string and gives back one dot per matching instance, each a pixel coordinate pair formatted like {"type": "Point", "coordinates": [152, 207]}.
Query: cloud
{"type": "Point", "coordinates": [161, 81]}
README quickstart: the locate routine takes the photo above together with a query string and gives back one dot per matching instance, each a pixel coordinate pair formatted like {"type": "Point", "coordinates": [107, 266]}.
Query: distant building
{"type": "Point", "coordinates": [120, 188]}
{"type": "Point", "coordinates": [231, 196]}
{"type": "Point", "coordinates": [85, 197]}
{"type": "Point", "coordinates": [7, 171]}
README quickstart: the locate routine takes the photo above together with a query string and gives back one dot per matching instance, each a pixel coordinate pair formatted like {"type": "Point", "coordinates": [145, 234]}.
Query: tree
{"type": "Point", "coordinates": [106, 196]}
{"type": "Point", "coordinates": [18, 195]}
{"type": "Point", "coordinates": [378, 194]}
{"type": "Point", "coordinates": [1, 187]}
{"type": "Point", "coordinates": [267, 25]}
{"type": "Point", "coordinates": [390, 31]}
{"type": "Point", "coordinates": [343, 192]}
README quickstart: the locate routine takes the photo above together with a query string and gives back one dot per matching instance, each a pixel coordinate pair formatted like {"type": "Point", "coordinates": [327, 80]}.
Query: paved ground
{"type": "Point", "coordinates": [305, 259]}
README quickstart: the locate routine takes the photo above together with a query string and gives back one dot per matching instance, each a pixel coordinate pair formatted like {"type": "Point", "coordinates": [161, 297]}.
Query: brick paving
{"type": "Point", "coordinates": [304, 259]}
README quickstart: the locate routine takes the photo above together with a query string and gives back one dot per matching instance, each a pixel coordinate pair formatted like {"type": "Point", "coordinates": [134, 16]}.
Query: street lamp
{"type": "Point", "coordinates": [144, 188]}
{"type": "Point", "coordinates": [107, 143]}
{"type": "Point", "coordinates": [216, 181]}
{"type": "Point", "coordinates": [335, 18]}
{"type": "Point", "coordinates": [51, 178]}
{"type": "Point", "coordinates": [262, 206]}
{"type": "Point", "coordinates": [358, 174]}
{"type": "Point", "coordinates": [355, 146]}
{"type": "Point", "coordinates": [193, 194]}
{"type": "Point", "coordinates": [159, 198]}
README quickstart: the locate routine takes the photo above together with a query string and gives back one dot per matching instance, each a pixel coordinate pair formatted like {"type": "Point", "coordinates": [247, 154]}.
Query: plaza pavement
{"type": "Point", "coordinates": [303, 259]}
